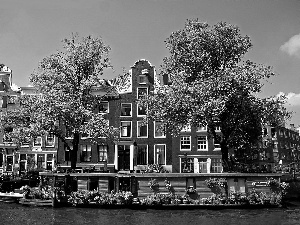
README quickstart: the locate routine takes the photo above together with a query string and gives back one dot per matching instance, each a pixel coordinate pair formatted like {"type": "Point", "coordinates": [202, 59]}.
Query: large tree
{"type": "Point", "coordinates": [65, 101]}
{"type": "Point", "coordinates": [210, 84]}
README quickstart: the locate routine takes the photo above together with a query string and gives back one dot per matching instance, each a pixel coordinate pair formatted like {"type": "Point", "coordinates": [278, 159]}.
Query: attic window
{"type": "Point", "coordinates": [142, 79]}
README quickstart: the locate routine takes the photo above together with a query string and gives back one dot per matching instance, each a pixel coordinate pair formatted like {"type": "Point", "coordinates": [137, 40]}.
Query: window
{"type": "Point", "coordinates": [217, 128]}
{"type": "Point", "coordinates": [202, 143]}
{"type": "Point", "coordinates": [142, 130]}
{"type": "Point", "coordinates": [6, 136]}
{"type": "Point", "coordinates": [41, 161]}
{"type": "Point", "coordinates": [187, 165]}
{"type": "Point", "coordinates": [69, 133]}
{"type": "Point", "coordinates": [142, 79]}
{"type": "Point", "coordinates": [1, 159]}
{"type": "Point", "coordinates": [141, 155]}
{"type": "Point", "coordinates": [9, 163]}
{"type": "Point", "coordinates": [141, 111]}
{"type": "Point", "coordinates": [160, 154]}
{"type": "Point", "coordinates": [103, 107]}
{"type": "Point", "coordinates": [186, 128]}
{"type": "Point", "coordinates": [201, 128]}
{"type": "Point", "coordinates": [50, 140]}
{"type": "Point", "coordinates": [217, 145]}
{"type": "Point", "coordinates": [68, 153]}
{"type": "Point", "coordinates": [102, 153]}
{"type": "Point", "coordinates": [216, 166]}
{"type": "Point", "coordinates": [159, 130]}
{"type": "Point", "coordinates": [142, 92]}
{"type": "Point", "coordinates": [125, 109]}
{"type": "Point", "coordinates": [23, 160]}
{"type": "Point", "coordinates": [86, 151]}
{"type": "Point", "coordinates": [125, 129]}
{"type": "Point", "coordinates": [49, 161]}
{"type": "Point", "coordinates": [185, 142]}
{"type": "Point", "coordinates": [37, 141]}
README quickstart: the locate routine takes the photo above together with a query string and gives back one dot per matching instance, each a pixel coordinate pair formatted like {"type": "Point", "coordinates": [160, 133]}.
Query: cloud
{"type": "Point", "coordinates": [292, 46]}
{"type": "Point", "coordinates": [293, 99]}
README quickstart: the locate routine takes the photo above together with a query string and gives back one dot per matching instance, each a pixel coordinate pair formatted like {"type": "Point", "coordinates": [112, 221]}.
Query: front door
{"type": "Point", "coordinates": [124, 157]}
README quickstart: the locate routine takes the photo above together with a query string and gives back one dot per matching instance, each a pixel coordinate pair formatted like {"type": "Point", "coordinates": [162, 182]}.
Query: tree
{"type": "Point", "coordinates": [65, 103]}
{"type": "Point", "coordinates": [210, 84]}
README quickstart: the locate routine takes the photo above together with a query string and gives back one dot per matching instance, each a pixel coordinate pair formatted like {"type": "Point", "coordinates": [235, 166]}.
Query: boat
{"type": "Point", "coordinates": [10, 197]}
{"type": "Point", "coordinates": [176, 206]}
{"type": "Point", "coordinates": [36, 202]}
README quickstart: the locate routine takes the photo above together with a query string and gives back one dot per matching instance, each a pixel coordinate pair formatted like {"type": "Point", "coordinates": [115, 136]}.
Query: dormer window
{"type": "Point", "coordinates": [142, 79]}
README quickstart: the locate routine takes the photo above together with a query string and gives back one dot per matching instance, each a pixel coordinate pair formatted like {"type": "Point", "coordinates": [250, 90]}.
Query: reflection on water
{"type": "Point", "coordinates": [16, 214]}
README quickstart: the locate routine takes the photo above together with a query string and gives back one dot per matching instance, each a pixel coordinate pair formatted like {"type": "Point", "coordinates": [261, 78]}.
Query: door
{"type": "Point", "coordinates": [124, 157]}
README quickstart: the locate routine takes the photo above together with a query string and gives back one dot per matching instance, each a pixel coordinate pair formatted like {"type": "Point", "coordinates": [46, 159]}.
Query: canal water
{"type": "Point", "coordinates": [11, 214]}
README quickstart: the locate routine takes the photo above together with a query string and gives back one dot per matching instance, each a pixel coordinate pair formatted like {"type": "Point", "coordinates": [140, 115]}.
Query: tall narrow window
{"type": "Point", "coordinates": [160, 154]}
{"type": "Point", "coordinates": [217, 144]}
{"type": "Point", "coordinates": [50, 140]}
{"type": "Point", "coordinates": [202, 143]}
{"type": "Point", "coordinates": [86, 153]}
{"type": "Point", "coordinates": [68, 153]}
{"type": "Point", "coordinates": [141, 155]}
{"type": "Point", "coordinates": [103, 107]}
{"type": "Point", "coordinates": [41, 161]}
{"type": "Point", "coordinates": [37, 141]}
{"type": "Point", "coordinates": [185, 143]}
{"type": "Point", "coordinates": [126, 109]}
{"type": "Point", "coordinates": [159, 130]}
{"type": "Point", "coordinates": [102, 153]}
{"type": "Point", "coordinates": [141, 111]}
{"type": "Point", "coordinates": [125, 129]}
{"type": "Point", "coordinates": [142, 92]}
{"type": "Point", "coordinates": [142, 129]}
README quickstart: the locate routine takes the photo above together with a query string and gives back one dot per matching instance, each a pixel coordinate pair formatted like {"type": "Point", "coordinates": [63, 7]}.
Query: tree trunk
{"type": "Point", "coordinates": [74, 150]}
{"type": "Point", "coordinates": [224, 151]}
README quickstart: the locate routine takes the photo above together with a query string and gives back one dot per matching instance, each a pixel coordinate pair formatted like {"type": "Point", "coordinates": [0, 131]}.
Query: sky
{"type": "Point", "coordinates": [137, 29]}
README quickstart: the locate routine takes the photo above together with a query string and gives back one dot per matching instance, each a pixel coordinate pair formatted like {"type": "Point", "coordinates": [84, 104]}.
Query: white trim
{"type": "Point", "coordinates": [206, 143]}
{"type": "Point", "coordinates": [137, 111]}
{"type": "Point", "coordinates": [121, 129]}
{"type": "Point", "coordinates": [164, 136]}
{"type": "Point", "coordinates": [137, 91]}
{"type": "Point", "coordinates": [123, 103]}
{"type": "Point", "coordinates": [107, 107]}
{"type": "Point", "coordinates": [137, 130]}
{"type": "Point", "coordinates": [190, 139]}
{"type": "Point", "coordinates": [46, 138]}
{"type": "Point", "coordinates": [131, 156]}
{"type": "Point", "coordinates": [156, 155]}
{"type": "Point", "coordinates": [147, 153]}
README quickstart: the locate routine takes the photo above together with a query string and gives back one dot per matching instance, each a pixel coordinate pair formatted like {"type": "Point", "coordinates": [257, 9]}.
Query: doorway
{"type": "Point", "coordinates": [124, 157]}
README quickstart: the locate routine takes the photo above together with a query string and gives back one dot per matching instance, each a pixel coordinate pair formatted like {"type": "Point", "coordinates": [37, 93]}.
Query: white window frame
{"type": "Point", "coordinates": [156, 155]}
{"type": "Point", "coordinates": [104, 150]}
{"type": "Point", "coordinates": [186, 128]}
{"type": "Point", "coordinates": [144, 76]}
{"type": "Point", "coordinates": [40, 139]}
{"type": "Point", "coordinates": [138, 127]}
{"type": "Point", "coordinates": [183, 139]}
{"type": "Point", "coordinates": [147, 152]}
{"type": "Point", "coordinates": [107, 107]}
{"type": "Point", "coordinates": [137, 91]}
{"type": "Point", "coordinates": [137, 112]}
{"type": "Point", "coordinates": [46, 141]}
{"type": "Point", "coordinates": [199, 145]}
{"type": "Point", "coordinates": [216, 148]}
{"type": "Point", "coordinates": [155, 136]}
{"type": "Point", "coordinates": [87, 148]}
{"type": "Point", "coordinates": [130, 129]}
{"type": "Point", "coordinates": [123, 103]}
{"type": "Point", "coordinates": [201, 128]}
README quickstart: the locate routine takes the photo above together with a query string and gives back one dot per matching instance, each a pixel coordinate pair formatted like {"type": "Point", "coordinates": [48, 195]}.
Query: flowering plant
{"type": "Point", "coordinates": [216, 182]}
{"type": "Point", "coordinates": [154, 185]}
{"type": "Point", "coordinates": [190, 190]}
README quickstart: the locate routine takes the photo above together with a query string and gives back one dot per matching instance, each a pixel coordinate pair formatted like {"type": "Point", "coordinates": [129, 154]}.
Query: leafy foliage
{"type": "Point", "coordinates": [210, 84]}
{"type": "Point", "coordinates": [64, 102]}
